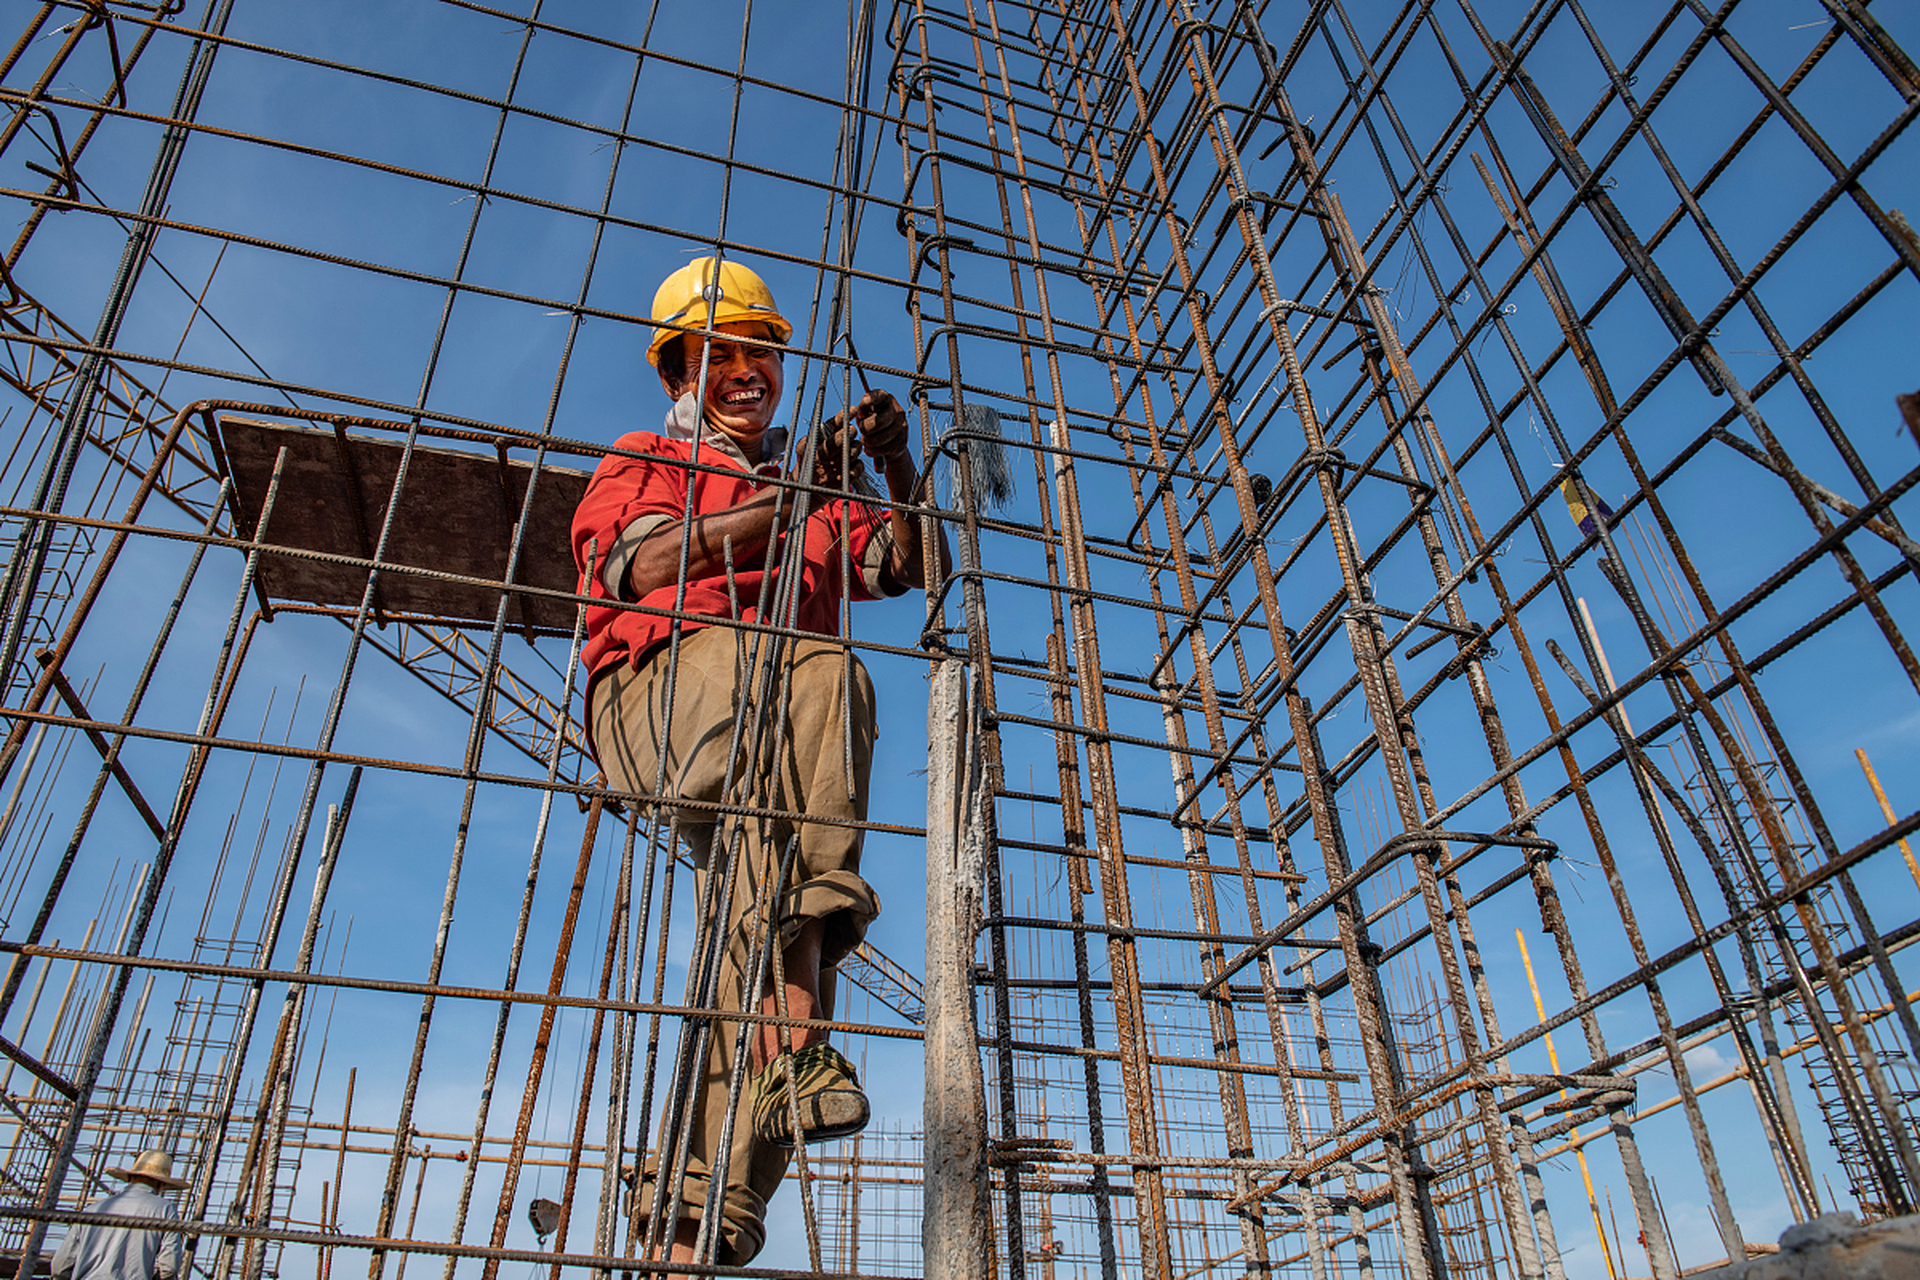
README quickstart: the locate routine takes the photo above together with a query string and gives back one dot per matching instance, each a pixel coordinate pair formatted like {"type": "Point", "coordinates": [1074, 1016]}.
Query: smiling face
{"type": "Point", "coordinates": [743, 384]}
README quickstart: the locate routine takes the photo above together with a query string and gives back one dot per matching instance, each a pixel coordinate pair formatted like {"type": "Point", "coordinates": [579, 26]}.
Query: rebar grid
{"type": "Point", "coordinates": [1459, 489]}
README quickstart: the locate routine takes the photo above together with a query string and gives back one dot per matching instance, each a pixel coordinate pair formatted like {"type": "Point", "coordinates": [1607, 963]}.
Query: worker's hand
{"type": "Point", "coordinates": [883, 425]}
{"type": "Point", "coordinates": [830, 454]}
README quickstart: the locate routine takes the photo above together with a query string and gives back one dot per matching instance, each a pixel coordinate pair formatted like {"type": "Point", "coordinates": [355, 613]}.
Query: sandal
{"type": "Point", "coordinates": [830, 1102]}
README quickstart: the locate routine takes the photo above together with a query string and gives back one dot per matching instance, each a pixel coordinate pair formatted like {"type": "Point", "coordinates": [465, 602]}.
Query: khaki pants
{"type": "Point", "coordinates": [808, 773]}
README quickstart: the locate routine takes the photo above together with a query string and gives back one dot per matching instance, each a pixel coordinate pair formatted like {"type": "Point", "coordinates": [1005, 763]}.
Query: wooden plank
{"type": "Point", "coordinates": [456, 515]}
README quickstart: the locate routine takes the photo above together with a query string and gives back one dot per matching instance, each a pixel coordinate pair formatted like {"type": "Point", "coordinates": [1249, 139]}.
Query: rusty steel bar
{"type": "Point", "coordinates": [530, 1094]}
{"type": "Point", "coordinates": [1313, 323]}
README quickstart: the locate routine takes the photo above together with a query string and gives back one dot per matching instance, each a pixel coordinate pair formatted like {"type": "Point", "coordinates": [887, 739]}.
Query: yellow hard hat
{"type": "Point", "coordinates": [735, 292]}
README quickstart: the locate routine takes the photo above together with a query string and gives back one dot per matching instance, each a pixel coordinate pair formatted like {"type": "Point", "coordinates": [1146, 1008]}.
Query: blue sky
{"type": "Point", "coordinates": [367, 328]}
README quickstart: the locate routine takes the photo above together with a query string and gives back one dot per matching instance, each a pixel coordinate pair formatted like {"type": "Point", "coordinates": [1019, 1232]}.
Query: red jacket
{"type": "Point", "coordinates": [653, 488]}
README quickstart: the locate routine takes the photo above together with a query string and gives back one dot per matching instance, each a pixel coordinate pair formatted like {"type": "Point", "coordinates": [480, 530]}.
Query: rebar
{"type": "Point", "coordinates": [1298, 375]}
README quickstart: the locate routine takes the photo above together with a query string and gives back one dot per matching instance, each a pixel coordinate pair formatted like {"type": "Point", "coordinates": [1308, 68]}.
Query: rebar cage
{"type": "Point", "coordinates": [1418, 726]}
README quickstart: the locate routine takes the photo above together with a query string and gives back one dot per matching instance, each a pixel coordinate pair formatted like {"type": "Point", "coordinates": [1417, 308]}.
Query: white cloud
{"type": "Point", "coordinates": [1706, 1061]}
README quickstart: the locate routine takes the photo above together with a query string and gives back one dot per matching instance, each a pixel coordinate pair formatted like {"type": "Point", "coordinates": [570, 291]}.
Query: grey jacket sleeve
{"type": "Point", "coordinates": [614, 575]}
{"type": "Point", "coordinates": [169, 1261]}
{"type": "Point", "coordinates": [63, 1256]}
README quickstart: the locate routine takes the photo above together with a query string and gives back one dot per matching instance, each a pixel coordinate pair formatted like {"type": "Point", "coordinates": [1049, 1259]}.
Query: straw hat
{"type": "Point", "coordinates": [155, 1167]}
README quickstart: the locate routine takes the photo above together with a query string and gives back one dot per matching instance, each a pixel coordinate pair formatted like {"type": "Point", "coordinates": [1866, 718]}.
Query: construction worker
{"type": "Point", "coordinates": [127, 1253]}
{"type": "Point", "coordinates": [662, 718]}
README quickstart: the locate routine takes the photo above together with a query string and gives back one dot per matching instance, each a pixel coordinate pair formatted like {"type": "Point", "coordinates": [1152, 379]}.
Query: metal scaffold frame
{"type": "Point", "coordinates": [1418, 478]}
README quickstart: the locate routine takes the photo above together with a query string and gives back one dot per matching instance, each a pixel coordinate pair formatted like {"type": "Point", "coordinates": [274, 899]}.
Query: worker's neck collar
{"type": "Point", "coordinates": [685, 416]}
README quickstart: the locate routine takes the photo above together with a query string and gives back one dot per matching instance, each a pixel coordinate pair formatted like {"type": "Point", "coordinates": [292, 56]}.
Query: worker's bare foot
{"type": "Point", "coordinates": [680, 1249]}
{"type": "Point", "coordinates": [772, 1039]}
{"type": "Point", "coordinates": [801, 963]}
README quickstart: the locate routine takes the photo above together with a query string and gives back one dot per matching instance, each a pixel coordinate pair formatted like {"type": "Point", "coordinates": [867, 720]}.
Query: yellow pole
{"type": "Point", "coordinates": [1573, 1135]}
{"type": "Point", "coordinates": [1873, 780]}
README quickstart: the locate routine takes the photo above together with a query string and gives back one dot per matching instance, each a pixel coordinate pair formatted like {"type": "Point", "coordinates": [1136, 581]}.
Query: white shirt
{"type": "Point", "coordinates": [122, 1253]}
